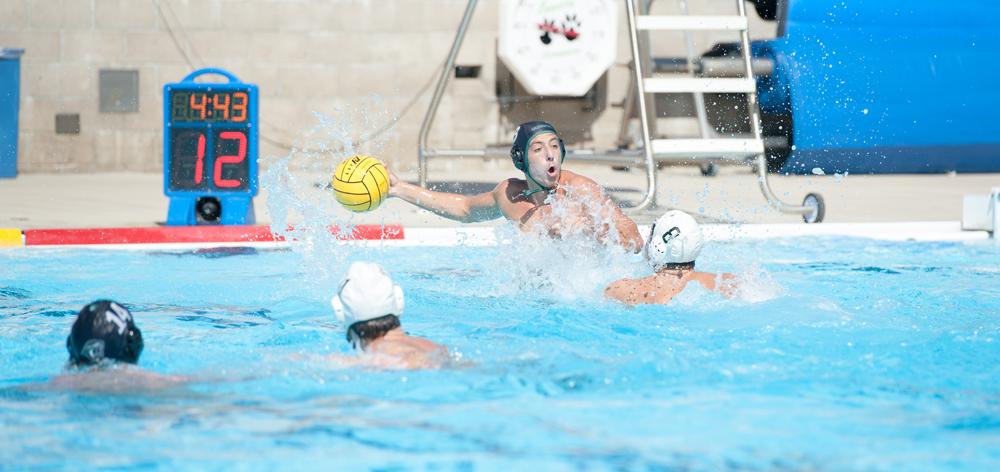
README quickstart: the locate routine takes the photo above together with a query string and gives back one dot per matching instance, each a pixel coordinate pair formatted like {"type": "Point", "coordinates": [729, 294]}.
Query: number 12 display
{"type": "Point", "coordinates": [210, 147]}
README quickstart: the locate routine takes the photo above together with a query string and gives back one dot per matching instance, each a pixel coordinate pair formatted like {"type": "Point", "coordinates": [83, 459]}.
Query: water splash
{"type": "Point", "coordinates": [571, 254]}
{"type": "Point", "coordinates": [299, 201]}
{"type": "Point", "coordinates": [755, 284]}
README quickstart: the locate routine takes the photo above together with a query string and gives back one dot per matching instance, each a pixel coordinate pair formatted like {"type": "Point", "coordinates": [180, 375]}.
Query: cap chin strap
{"type": "Point", "coordinates": [527, 193]}
{"type": "Point", "coordinates": [398, 301]}
{"type": "Point", "coordinates": [676, 266]}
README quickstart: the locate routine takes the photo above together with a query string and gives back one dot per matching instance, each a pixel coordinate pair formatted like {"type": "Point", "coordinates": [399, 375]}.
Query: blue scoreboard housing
{"type": "Point", "coordinates": [210, 150]}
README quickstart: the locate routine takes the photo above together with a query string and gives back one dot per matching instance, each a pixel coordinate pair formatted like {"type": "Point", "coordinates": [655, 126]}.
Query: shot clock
{"type": "Point", "coordinates": [210, 150]}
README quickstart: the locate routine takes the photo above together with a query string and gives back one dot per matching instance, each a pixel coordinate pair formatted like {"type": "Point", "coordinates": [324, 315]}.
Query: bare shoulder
{"type": "Point", "coordinates": [511, 183]}
{"type": "Point", "coordinates": [406, 345]}
{"type": "Point", "coordinates": [115, 381]}
{"type": "Point", "coordinates": [409, 353]}
{"type": "Point", "coordinates": [623, 290]}
{"type": "Point", "coordinates": [426, 345]}
{"type": "Point", "coordinates": [577, 180]}
{"type": "Point", "coordinates": [621, 283]}
{"type": "Point", "coordinates": [726, 276]}
{"type": "Point", "coordinates": [509, 189]}
{"type": "Point", "coordinates": [725, 283]}
{"type": "Point", "coordinates": [729, 284]}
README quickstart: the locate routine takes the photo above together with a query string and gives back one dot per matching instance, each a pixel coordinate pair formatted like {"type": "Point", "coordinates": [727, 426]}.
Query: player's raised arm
{"type": "Point", "coordinates": [467, 209]}
{"type": "Point", "coordinates": [628, 232]}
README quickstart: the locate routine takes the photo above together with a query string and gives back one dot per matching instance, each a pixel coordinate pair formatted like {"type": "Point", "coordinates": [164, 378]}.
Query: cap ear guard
{"type": "Point", "coordinates": [337, 304]}
{"type": "Point", "coordinates": [517, 156]}
{"type": "Point", "coordinates": [133, 345]}
{"type": "Point", "coordinates": [338, 307]}
{"type": "Point", "coordinates": [397, 300]}
{"type": "Point", "coordinates": [655, 248]}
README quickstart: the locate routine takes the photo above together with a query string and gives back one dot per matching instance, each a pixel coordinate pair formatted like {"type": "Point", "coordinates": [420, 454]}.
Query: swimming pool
{"type": "Point", "coordinates": [842, 353]}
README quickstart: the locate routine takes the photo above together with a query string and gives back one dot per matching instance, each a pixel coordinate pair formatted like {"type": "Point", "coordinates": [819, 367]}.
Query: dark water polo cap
{"type": "Point", "coordinates": [523, 136]}
{"type": "Point", "coordinates": [104, 330]}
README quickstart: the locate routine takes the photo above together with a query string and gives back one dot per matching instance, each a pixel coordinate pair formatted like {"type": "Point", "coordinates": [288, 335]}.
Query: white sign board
{"type": "Point", "coordinates": [558, 47]}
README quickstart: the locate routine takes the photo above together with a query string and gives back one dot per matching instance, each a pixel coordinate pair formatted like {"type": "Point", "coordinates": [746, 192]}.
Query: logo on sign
{"type": "Point", "coordinates": [569, 29]}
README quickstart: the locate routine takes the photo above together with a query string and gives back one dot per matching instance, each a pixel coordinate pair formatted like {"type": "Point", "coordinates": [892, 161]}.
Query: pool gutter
{"type": "Point", "coordinates": [260, 236]}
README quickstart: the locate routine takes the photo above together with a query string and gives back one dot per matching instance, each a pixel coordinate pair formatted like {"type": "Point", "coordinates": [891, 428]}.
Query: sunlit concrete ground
{"type": "Point", "coordinates": [136, 199]}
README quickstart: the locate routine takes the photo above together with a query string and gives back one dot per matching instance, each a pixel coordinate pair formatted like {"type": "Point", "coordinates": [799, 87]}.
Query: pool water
{"type": "Point", "coordinates": [839, 354]}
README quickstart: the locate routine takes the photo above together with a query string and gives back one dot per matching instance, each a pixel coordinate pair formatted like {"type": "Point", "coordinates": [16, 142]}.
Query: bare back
{"type": "Point", "coordinates": [116, 380]}
{"type": "Point", "coordinates": [662, 287]}
{"type": "Point", "coordinates": [398, 350]}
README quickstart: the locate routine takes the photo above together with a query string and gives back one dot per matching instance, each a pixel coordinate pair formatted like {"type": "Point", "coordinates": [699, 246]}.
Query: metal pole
{"type": "Point", "coordinates": [640, 89]}
{"type": "Point", "coordinates": [765, 188]}
{"type": "Point", "coordinates": [628, 105]}
{"type": "Point", "coordinates": [446, 71]}
{"type": "Point", "coordinates": [699, 98]}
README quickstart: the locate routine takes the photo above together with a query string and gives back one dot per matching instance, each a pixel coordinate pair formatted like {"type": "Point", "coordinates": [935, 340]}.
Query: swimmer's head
{"type": "Point", "coordinates": [526, 132]}
{"type": "Point", "coordinates": [104, 331]}
{"type": "Point", "coordinates": [675, 240]}
{"type": "Point", "coordinates": [368, 302]}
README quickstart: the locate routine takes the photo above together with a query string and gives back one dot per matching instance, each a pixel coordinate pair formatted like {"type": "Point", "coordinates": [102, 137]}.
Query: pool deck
{"type": "Point", "coordinates": [34, 201]}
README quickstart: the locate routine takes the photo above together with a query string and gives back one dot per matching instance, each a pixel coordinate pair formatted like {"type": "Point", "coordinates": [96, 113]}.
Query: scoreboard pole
{"type": "Point", "coordinates": [210, 150]}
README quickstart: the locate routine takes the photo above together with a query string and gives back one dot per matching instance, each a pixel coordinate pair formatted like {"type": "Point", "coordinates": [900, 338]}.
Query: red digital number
{"type": "Point", "coordinates": [240, 101]}
{"type": "Point", "coordinates": [199, 165]}
{"type": "Point", "coordinates": [199, 105]}
{"type": "Point", "coordinates": [221, 105]}
{"type": "Point", "coordinates": [230, 159]}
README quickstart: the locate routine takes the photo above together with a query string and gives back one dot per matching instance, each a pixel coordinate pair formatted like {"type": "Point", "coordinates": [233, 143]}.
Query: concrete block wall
{"type": "Point", "coordinates": [351, 61]}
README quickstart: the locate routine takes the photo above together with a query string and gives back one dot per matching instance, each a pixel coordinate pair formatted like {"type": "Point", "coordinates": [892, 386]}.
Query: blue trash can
{"type": "Point", "coordinates": [10, 97]}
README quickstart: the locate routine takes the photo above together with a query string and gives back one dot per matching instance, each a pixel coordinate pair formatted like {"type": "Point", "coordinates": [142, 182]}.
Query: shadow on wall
{"type": "Point", "coordinates": [572, 116]}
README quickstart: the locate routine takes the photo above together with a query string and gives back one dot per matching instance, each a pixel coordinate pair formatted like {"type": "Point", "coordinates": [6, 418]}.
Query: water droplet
{"type": "Point", "coordinates": [818, 171]}
{"type": "Point", "coordinates": [864, 111]}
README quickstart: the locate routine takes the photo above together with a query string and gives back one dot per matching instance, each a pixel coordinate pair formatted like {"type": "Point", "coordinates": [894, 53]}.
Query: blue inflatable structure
{"type": "Point", "coordinates": [886, 86]}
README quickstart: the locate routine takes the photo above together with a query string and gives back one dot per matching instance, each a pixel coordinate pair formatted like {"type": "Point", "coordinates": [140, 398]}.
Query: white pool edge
{"type": "Point", "coordinates": [487, 236]}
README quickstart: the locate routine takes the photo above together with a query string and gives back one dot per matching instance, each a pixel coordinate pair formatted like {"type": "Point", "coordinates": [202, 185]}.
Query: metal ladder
{"type": "Point", "coordinates": [708, 146]}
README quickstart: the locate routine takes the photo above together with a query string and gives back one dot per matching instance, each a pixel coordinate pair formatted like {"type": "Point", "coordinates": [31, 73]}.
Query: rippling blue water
{"type": "Point", "coordinates": [841, 354]}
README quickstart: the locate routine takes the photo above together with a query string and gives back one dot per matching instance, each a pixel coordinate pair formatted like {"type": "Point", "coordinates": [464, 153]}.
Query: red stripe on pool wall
{"type": "Point", "coordinates": [189, 234]}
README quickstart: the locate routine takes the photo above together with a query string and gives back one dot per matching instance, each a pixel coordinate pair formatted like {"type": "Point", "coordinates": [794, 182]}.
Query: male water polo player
{"type": "Point", "coordinates": [675, 240]}
{"type": "Point", "coordinates": [538, 152]}
{"type": "Point", "coordinates": [370, 304]}
{"type": "Point", "coordinates": [104, 345]}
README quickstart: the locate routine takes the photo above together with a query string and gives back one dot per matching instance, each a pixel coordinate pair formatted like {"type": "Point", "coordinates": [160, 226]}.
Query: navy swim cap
{"type": "Point", "coordinates": [104, 330]}
{"type": "Point", "coordinates": [522, 138]}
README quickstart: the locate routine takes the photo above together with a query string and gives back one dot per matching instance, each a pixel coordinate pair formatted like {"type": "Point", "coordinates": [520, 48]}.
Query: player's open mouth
{"type": "Point", "coordinates": [552, 170]}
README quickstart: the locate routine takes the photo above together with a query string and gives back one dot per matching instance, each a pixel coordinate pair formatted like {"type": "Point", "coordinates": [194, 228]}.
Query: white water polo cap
{"type": "Point", "coordinates": [366, 293]}
{"type": "Point", "coordinates": [675, 238]}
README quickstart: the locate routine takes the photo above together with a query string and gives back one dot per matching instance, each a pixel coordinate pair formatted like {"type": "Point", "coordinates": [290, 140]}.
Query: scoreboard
{"type": "Point", "coordinates": [210, 150]}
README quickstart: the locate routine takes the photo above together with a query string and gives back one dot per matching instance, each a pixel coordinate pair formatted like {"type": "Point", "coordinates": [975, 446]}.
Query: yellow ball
{"type": "Point", "coordinates": [361, 183]}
